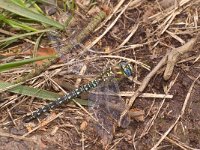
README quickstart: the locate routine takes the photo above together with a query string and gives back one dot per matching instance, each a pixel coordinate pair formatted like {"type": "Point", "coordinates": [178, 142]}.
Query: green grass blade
{"type": "Point", "coordinates": [5, 44]}
{"type": "Point", "coordinates": [18, 2]}
{"type": "Point", "coordinates": [25, 12]}
{"type": "Point", "coordinates": [24, 35]}
{"type": "Point", "coordinates": [47, 2]}
{"type": "Point", "coordinates": [16, 24]}
{"type": "Point", "coordinates": [36, 46]}
{"type": "Point", "coordinates": [8, 66]}
{"type": "Point", "coordinates": [35, 92]}
{"type": "Point", "coordinates": [28, 4]}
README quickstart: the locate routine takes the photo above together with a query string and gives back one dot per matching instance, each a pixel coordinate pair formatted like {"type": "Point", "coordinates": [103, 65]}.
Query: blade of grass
{"type": "Point", "coordinates": [24, 35]}
{"type": "Point", "coordinates": [16, 9]}
{"type": "Point", "coordinates": [28, 4]}
{"type": "Point", "coordinates": [5, 44]}
{"type": "Point", "coordinates": [19, 2]}
{"type": "Point", "coordinates": [36, 46]}
{"type": "Point", "coordinates": [8, 66]}
{"type": "Point", "coordinates": [48, 2]}
{"type": "Point", "coordinates": [35, 92]}
{"type": "Point", "coordinates": [16, 24]}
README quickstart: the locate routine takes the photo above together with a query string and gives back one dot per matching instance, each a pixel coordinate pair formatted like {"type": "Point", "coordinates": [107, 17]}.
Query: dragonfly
{"type": "Point", "coordinates": [119, 71]}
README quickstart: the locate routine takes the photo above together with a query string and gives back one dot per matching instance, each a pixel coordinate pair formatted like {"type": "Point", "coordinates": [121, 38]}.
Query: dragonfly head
{"type": "Point", "coordinates": [125, 69]}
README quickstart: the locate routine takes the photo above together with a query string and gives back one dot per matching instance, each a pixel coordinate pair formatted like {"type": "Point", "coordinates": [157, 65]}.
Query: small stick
{"type": "Point", "coordinates": [43, 124]}
{"type": "Point", "coordinates": [175, 54]}
{"type": "Point", "coordinates": [146, 95]}
{"type": "Point", "coordinates": [83, 141]}
{"type": "Point", "coordinates": [11, 117]}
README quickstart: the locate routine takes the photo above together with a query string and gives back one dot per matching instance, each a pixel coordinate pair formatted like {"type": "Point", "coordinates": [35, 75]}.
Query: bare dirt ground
{"type": "Point", "coordinates": [143, 31]}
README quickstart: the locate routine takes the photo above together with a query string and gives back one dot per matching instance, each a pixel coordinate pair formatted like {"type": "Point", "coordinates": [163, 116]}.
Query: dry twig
{"type": "Point", "coordinates": [174, 56]}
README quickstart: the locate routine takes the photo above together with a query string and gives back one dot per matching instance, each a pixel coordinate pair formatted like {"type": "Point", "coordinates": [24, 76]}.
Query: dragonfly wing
{"type": "Point", "coordinates": [106, 106]}
{"type": "Point", "coordinates": [104, 126]}
{"type": "Point", "coordinates": [114, 103]}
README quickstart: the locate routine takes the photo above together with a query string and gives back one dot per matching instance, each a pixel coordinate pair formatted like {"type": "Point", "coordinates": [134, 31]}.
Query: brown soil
{"type": "Point", "coordinates": [74, 128]}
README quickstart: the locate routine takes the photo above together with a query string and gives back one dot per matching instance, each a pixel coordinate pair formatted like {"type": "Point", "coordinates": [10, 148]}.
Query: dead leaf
{"type": "Point", "coordinates": [137, 114]}
{"type": "Point", "coordinates": [44, 52]}
{"type": "Point", "coordinates": [83, 125]}
{"type": "Point", "coordinates": [30, 126]}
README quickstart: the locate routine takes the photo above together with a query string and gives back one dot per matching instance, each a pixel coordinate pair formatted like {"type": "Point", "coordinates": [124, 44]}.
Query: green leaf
{"type": "Point", "coordinates": [34, 92]}
{"type": "Point", "coordinates": [8, 66]}
{"type": "Point", "coordinates": [25, 12]}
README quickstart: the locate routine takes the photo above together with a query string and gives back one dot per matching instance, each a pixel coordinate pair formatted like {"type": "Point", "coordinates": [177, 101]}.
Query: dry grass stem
{"type": "Point", "coordinates": [144, 95]}
{"type": "Point", "coordinates": [43, 123]}
{"type": "Point", "coordinates": [82, 72]}
{"type": "Point", "coordinates": [178, 143]}
{"type": "Point", "coordinates": [107, 29]}
{"type": "Point", "coordinates": [132, 32]}
{"type": "Point", "coordinates": [120, 3]}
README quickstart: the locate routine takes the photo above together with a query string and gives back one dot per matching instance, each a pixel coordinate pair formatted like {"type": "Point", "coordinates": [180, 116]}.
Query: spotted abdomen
{"type": "Point", "coordinates": [73, 94]}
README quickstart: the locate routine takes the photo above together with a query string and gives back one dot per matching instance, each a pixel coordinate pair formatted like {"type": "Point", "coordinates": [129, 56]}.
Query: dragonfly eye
{"type": "Point", "coordinates": [126, 68]}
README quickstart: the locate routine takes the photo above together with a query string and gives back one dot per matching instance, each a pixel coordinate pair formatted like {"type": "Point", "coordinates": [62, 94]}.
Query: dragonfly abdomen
{"type": "Point", "coordinates": [73, 94]}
